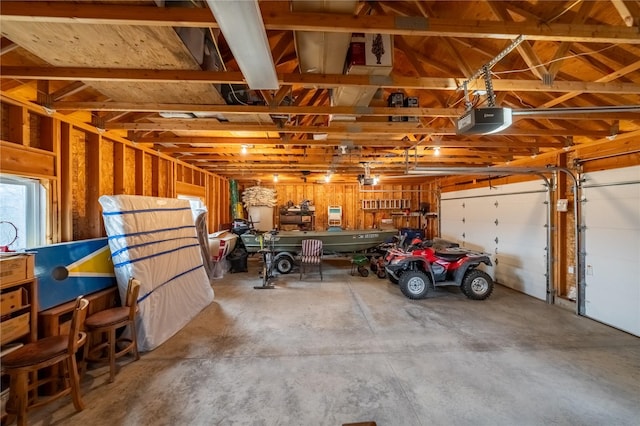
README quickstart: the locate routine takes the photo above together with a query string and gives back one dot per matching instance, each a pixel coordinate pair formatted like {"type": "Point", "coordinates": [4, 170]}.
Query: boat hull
{"type": "Point", "coordinates": [332, 242]}
{"type": "Point", "coordinates": [221, 243]}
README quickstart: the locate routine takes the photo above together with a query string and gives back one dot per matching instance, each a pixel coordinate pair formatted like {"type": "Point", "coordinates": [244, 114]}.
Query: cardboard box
{"type": "Point", "coordinates": [14, 328]}
{"type": "Point", "coordinates": [15, 268]}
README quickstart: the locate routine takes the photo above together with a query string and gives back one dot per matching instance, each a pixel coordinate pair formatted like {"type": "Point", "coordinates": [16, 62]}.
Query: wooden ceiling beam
{"type": "Point", "coordinates": [606, 79]}
{"type": "Point", "coordinates": [320, 162]}
{"type": "Point", "coordinates": [258, 109]}
{"type": "Point", "coordinates": [118, 14]}
{"type": "Point", "coordinates": [318, 81]}
{"type": "Point", "coordinates": [581, 16]}
{"type": "Point", "coordinates": [350, 128]}
{"type": "Point", "coordinates": [524, 49]}
{"type": "Point", "coordinates": [624, 12]}
{"type": "Point", "coordinates": [68, 90]}
{"type": "Point", "coordinates": [200, 142]}
{"type": "Point", "coordinates": [7, 45]}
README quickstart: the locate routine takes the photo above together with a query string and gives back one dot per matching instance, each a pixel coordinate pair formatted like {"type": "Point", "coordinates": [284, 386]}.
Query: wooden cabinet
{"type": "Point", "coordinates": [18, 309]}
{"type": "Point", "coordinates": [18, 300]}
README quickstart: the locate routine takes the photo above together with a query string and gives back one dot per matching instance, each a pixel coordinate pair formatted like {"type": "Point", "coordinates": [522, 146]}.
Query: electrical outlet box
{"type": "Point", "coordinates": [562, 205]}
{"type": "Point", "coordinates": [571, 270]}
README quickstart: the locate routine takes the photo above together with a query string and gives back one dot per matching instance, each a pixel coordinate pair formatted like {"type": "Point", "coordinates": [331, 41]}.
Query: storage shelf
{"type": "Point", "coordinates": [386, 204]}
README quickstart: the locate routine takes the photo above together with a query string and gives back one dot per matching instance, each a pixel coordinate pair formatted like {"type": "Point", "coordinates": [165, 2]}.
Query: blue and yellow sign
{"type": "Point", "coordinates": [68, 270]}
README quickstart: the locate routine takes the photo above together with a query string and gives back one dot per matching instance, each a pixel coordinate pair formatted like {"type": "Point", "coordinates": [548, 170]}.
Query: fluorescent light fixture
{"type": "Point", "coordinates": [243, 29]}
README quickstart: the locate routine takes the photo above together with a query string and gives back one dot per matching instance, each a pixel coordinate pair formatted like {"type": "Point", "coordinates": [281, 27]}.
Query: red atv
{"type": "Point", "coordinates": [422, 269]}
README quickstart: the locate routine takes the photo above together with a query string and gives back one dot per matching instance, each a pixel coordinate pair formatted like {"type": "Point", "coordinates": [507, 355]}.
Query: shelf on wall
{"type": "Point", "coordinates": [386, 204]}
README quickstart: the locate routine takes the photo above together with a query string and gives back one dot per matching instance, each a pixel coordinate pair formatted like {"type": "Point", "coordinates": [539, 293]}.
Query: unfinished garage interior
{"type": "Point", "coordinates": [506, 128]}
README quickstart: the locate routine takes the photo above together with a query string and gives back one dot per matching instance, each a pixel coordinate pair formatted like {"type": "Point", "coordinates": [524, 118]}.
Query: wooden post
{"type": "Point", "coordinates": [65, 183]}
{"type": "Point", "coordinates": [140, 172]}
{"type": "Point", "coordinates": [118, 169]}
{"type": "Point", "coordinates": [18, 130]}
{"type": "Point", "coordinates": [94, 161]}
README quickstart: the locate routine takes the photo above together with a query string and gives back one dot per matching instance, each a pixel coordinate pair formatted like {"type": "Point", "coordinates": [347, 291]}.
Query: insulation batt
{"type": "Point", "coordinates": [155, 240]}
{"type": "Point", "coordinates": [259, 196]}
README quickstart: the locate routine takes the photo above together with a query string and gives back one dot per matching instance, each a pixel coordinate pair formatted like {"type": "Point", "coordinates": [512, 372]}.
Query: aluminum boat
{"type": "Point", "coordinates": [344, 241]}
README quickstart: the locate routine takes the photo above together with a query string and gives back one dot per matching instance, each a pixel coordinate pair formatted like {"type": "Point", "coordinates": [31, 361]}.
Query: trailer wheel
{"type": "Point", "coordinates": [284, 264]}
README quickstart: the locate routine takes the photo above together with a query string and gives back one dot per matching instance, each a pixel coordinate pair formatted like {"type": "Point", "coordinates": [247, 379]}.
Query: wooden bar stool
{"type": "Point", "coordinates": [25, 362]}
{"type": "Point", "coordinates": [108, 322]}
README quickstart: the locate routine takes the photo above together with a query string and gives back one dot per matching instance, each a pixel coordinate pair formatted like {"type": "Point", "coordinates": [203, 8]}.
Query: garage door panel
{"type": "Point", "coordinates": [611, 215]}
{"type": "Point", "coordinates": [619, 214]}
{"type": "Point", "coordinates": [623, 245]}
{"type": "Point", "coordinates": [515, 216]}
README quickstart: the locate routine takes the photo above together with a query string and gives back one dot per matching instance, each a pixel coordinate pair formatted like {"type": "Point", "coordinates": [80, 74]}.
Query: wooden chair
{"type": "Point", "coordinates": [108, 322]}
{"type": "Point", "coordinates": [311, 255]}
{"type": "Point", "coordinates": [23, 364]}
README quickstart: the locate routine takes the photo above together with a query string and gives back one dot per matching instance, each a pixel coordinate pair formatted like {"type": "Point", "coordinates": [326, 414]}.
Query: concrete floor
{"type": "Point", "coordinates": [354, 349]}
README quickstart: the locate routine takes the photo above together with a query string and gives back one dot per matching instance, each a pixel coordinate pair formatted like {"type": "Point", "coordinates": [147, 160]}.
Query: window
{"type": "Point", "coordinates": [197, 206]}
{"type": "Point", "coordinates": [23, 205]}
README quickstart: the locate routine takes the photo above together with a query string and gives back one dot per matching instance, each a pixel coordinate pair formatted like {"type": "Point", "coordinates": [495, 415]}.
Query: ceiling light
{"type": "Point", "coordinates": [243, 29]}
{"type": "Point", "coordinates": [376, 179]}
{"type": "Point", "coordinates": [327, 177]}
{"type": "Point", "coordinates": [275, 177]}
{"type": "Point", "coordinates": [243, 150]}
{"type": "Point", "coordinates": [436, 151]}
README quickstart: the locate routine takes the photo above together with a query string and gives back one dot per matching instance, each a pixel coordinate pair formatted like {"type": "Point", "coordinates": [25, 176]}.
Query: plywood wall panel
{"type": "Point", "coordinates": [164, 177]}
{"type": "Point", "coordinates": [94, 162]}
{"type": "Point", "coordinates": [34, 135]}
{"type": "Point", "coordinates": [78, 171]}
{"type": "Point", "coordinates": [130, 171]}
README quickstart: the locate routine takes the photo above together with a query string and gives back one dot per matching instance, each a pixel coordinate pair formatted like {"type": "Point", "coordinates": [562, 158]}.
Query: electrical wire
{"type": "Point", "coordinates": [496, 73]}
{"type": "Point", "coordinates": [233, 92]}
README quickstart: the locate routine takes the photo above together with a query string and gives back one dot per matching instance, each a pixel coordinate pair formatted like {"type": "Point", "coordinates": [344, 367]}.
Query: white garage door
{"type": "Point", "coordinates": [611, 215]}
{"type": "Point", "coordinates": [510, 223]}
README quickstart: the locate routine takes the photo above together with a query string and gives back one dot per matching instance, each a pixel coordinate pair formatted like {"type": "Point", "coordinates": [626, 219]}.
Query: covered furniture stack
{"type": "Point", "coordinates": [154, 240]}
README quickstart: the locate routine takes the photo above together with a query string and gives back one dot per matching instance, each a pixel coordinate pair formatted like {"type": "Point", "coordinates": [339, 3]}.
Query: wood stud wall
{"type": "Point", "coordinates": [78, 164]}
{"type": "Point", "coordinates": [350, 197]}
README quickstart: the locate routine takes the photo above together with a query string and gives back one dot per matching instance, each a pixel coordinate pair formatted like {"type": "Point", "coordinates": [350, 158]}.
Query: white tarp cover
{"type": "Point", "coordinates": [155, 241]}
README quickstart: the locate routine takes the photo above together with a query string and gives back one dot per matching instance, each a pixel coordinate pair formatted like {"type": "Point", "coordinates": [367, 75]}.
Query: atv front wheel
{"type": "Point", "coordinates": [393, 280]}
{"type": "Point", "coordinates": [414, 284]}
{"type": "Point", "coordinates": [477, 285]}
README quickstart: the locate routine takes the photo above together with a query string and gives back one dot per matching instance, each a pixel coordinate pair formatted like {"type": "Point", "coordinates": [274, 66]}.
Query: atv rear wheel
{"type": "Point", "coordinates": [414, 284]}
{"type": "Point", "coordinates": [381, 273]}
{"type": "Point", "coordinates": [477, 285]}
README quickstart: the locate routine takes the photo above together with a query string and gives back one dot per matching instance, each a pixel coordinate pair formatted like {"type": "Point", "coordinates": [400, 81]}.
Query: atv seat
{"type": "Point", "coordinates": [451, 256]}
